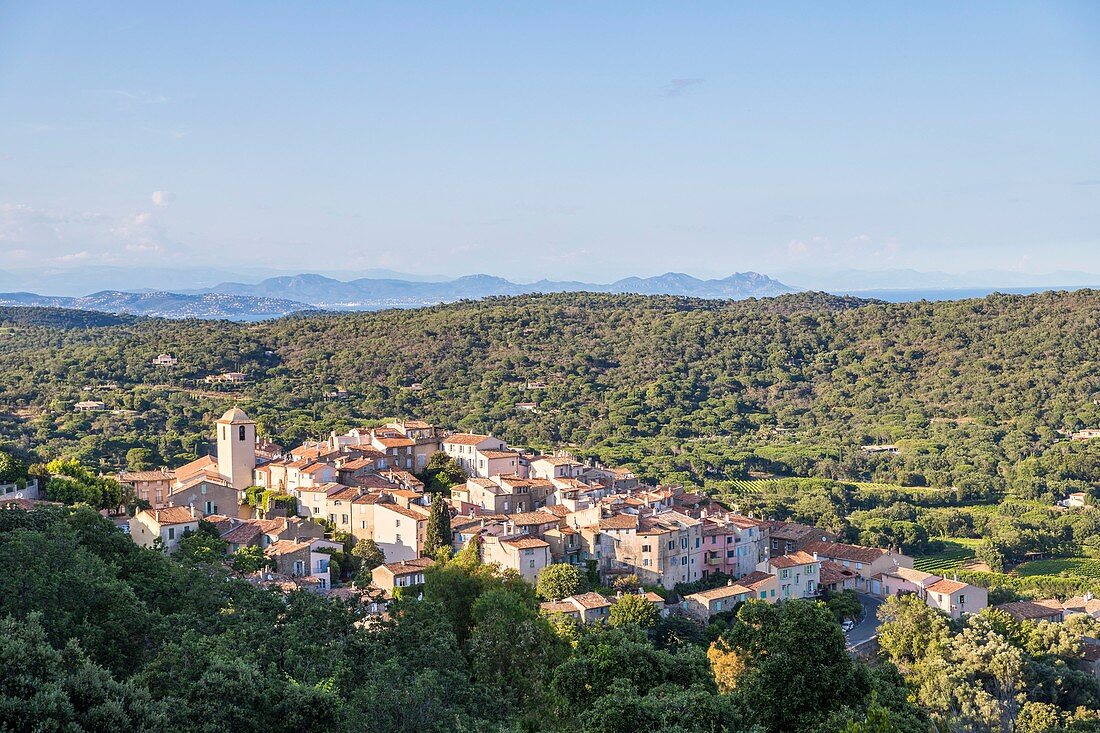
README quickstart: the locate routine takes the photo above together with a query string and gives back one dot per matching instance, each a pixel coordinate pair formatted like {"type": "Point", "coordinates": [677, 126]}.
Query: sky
{"type": "Point", "coordinates": [566, 140]}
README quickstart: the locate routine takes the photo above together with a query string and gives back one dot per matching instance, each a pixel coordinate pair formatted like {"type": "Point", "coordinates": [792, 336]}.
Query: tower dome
{"type": "Point", "coordinates": [234, 415]}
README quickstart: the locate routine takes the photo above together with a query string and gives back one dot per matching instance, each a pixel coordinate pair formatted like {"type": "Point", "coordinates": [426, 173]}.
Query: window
{"type": "Point", "coordinates": [647, 548]}
{"type": "Point", "coordinates": [785, 574]}
{"type": "Point", "coordinates": [672, 544]}
{"type": "Point", "coordinates": [729, 553]}
{"type": "Point", "coordinates": [763, 595]}
{"type": "Point", "coordinates": [683, 561]}
{"type": "Point", "coordinates": [397, 538]}
{"type": "Point", "coordinates": [532, 563]}
{"type": "Point", "coordinates": [343, 518]}
{"type": "Point", "coordinates": [397, 523]}
{"type": "Point", "coordinates": [171, 533]}
{"type": "Point", "coordinates": [683, 543]}
{"type": "Point", "coordinates": [646, 562]}
{"type": "Point", "coordinates": [962, 600]}
{"type": "Point", "coordinates": [698, 541]}
{"type": "Point", "coordinates": [240, 433]}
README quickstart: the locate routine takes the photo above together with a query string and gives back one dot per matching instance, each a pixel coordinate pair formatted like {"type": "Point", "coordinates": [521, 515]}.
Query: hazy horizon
{"type": "Point", "coordinates": [563, 141]}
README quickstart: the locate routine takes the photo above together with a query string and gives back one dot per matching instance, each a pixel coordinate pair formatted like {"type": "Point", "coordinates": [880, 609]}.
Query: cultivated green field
{"type": "Point", "coordinates": [955, 553]}
{"type": "Point", "coordinates": [1079, 567]}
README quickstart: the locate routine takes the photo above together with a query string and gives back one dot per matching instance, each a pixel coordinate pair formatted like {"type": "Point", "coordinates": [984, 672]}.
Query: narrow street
{"type": "Point", "coordinates": [867, 627]}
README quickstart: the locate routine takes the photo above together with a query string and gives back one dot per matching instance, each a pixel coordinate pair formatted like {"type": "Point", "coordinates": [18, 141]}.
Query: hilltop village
{"type": "Point", "coordinates": [523, 510]}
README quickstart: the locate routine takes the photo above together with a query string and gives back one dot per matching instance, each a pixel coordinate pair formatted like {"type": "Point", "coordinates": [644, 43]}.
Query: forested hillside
{"type": "Point", "coordinates": [973, 393]}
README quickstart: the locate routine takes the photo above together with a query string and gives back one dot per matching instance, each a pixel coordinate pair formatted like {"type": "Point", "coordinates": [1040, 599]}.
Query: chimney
{"type": "Point", "coordinates": [815, 557]}
{"type": "Point", "coordinates": [956, 577]}
{"type": "Point", "coordinates": [192, 508]}
{"type": "Point", "coordinates": [729, 582]}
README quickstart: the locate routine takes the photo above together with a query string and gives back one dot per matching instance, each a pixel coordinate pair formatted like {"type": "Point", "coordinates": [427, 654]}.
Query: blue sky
{"type": "Point", "coordinates": [560, 140]}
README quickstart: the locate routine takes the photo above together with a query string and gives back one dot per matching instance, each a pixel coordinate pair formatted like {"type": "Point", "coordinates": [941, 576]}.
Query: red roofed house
{"type": "Point", "coordinates": [525, 554]}
{"type": "Point", "coordinates": [704, 604]}
{"type": "Point", "coordinates": [401, 574]}
{"type": "Point", "coordinates": [1048, 610]}
{"type": "Point", "coordinates": [304, 559]}
{"type": "Point", "coordinates": [955, 598]}
{"type": "Point", "coordinates": [399, 530]}
{"type": "Point", "coordinates": [167, 525]}
{"type": "Point", "coordinates": [797, 573]}
{"type": "Point", "coordinates": [463, 448]}
{"type": "Point", "coordinates": [868, 562]}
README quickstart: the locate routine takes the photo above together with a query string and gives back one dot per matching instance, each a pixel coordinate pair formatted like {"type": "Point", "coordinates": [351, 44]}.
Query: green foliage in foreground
{"type": "Point", "coordinates": [205, 652]}
{"type": "Point", "coordinates": [989, 672]}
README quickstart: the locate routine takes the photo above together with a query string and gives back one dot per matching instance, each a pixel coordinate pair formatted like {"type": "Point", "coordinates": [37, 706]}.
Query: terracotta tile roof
{"type": "Point", "coordinates": [524, 542]}
{"type": "Point", "coordinates": [395, 442]}
{"type": "Point", "coordinates": [755, 579]}
{"type": "Point", "coordinates": [356, 464]}
{"type": "Point", "coordinates": [1029, 610]}
{"type": "Point", "coordinates": [841, 551]}
{"type": "Point", "coordinates": [494, 454]}
{"type": "Point", "coordinates": [619, 521]}
{"type": "Point", "coordinates": [409, 567]}
{"type": "Point", "coordinates": [834, 572]}
{"type": "Point", "coordinates": [242, 534]}
{"type": "Point", "coordinates": [946, 586]}
{"type": "Point", "coordinates": [194, 468]}
{"type": "Point", "coordinates": [372, 481]}
{"type": "Point", "coordinates": [1081, 604]}
{"type": "Point", "coordinates": [793, 530]}
{"type": "Point", "coordinates": [791, 560]}
{"type": "Point", "coordinates": [558, 607]}
{"type": "Point", "coordinates": [173, 515]}
{"type": "Point", "coordinates": [918, 577]}
{"type": "Point", "coordinates": [346, 493]}
{"type": "Point", "coordinates": [559, 460]}
{"type": "Point", "coordinates": [419, 514]}
{"type": "Point", "coordinates": [466, 438]}
{"type": "Point", "coordinates": [722, 591]}
{"type": "Point", "coordinates": [531, 518]}
{"type": "Point", "coordinates": [284, 547]}
{"type": "Point", "coordinates": [591, 601]}
{"type": "Point", "coordinates": [320, 488]}
{"type": "Point", "coordinates": [416, 425]}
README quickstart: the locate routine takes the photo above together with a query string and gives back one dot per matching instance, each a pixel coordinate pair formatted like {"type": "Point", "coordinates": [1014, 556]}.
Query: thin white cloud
{"type": "Point", "coordinates": [67, 237]}
{"type": "Point", "coordinates": [163, 198]}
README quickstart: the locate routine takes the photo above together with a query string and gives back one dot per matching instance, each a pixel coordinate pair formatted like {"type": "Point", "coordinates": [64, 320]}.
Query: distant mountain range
{"type": "Point", "coordinates": [278, 296]}
{"type": "Point", "coordinates": [372, 294]}
{"type": "Point", "coordinates": [194, 294]}
{"type": "Point", "coordinates": [167, 305]}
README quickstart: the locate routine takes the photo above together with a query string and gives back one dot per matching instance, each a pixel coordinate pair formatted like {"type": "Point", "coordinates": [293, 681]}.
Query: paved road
{"type": "Point", "coordinates": [865, 629]}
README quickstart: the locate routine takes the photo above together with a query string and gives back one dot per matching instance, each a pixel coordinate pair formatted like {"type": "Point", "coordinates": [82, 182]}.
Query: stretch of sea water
{"type": "Point", "coordinates": [906, 296]}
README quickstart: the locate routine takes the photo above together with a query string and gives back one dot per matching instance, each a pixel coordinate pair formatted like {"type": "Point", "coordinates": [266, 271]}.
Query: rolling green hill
{"type": "Point", "coordinates": [681, 389]}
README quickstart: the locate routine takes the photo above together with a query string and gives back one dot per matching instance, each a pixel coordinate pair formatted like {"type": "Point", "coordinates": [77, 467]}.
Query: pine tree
{"type": "Point", "coordinates": [438, 532]}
